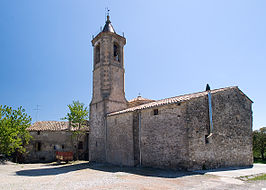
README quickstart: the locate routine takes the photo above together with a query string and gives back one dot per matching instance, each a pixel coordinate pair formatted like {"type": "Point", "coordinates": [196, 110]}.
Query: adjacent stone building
{"type": "Point", "coordinates": [52, 136]}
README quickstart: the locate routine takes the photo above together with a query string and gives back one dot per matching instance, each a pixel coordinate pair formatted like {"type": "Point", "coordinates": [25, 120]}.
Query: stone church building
{"type": "Point", "coordinates": [202, 130]}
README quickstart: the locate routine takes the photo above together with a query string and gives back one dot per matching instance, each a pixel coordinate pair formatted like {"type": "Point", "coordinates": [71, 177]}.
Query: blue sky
{"type": "Point", "coordinates": [173, 48]}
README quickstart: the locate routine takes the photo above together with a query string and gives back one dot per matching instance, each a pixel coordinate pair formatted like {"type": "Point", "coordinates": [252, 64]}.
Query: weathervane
{"type": "Point", "coordinates": [107, 12]}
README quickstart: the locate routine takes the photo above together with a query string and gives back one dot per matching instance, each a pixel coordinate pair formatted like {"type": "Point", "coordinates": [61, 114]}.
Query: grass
{"type": "Point", "coordinates": [260, 177]}
{"type": "Point", "coordinates": [259, 161]}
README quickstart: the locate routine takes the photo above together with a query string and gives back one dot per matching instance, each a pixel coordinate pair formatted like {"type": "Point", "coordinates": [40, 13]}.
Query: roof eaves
{"type": "Point", "coordinates": [168, 101]}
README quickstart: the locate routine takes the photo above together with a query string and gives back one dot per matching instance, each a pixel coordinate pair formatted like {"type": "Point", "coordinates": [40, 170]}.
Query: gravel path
{"type": "Point", "coordinates": [82, 175]}
{"type": "Point", "coordinates": [236, 171]}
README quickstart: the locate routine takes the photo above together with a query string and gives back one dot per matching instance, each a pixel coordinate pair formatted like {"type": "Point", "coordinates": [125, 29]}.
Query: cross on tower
{"type": "Point", "coordinates": [107, 12]}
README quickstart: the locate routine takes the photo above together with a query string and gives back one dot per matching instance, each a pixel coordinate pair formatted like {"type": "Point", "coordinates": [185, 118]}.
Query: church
{"type": "Point", "coordinates": [203, 130]}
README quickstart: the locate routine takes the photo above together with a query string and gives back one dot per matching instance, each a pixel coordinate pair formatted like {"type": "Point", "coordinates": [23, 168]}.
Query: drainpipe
{"type": "Point", "coordinates": [210, 113]}
{"type": "Point", "coordinates": [140, 139]}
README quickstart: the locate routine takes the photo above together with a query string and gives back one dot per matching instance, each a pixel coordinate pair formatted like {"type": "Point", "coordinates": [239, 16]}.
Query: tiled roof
{"type": "Point", "coordinates": [172, 100]}
{"type": "Point", "coordinates": [138, 101]}
{"type": "Point", "coordinates": [139, 98]}
{"type": "Point", "coordinates": [53, 126]}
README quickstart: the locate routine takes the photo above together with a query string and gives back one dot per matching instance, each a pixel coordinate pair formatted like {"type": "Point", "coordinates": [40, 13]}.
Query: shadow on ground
{"type": "Point", "coordinates": [56, 170]}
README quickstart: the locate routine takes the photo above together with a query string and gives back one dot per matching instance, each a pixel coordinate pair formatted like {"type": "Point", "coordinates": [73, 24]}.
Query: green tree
{"type": "Point", "coordinates": [77, 117]}
{"type": "Point", "coordinates": [13, 130]}
{"type": "Point", "coordinates": [259, 143]}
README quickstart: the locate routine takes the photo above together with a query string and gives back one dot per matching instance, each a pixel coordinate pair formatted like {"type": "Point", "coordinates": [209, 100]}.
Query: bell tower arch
{"type": "Point", "coordinates": [108, 86]}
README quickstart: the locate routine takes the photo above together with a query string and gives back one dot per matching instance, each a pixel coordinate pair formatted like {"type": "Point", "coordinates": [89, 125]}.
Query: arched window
{"type": "Point", "coordinates": [116, 52]}
{"type": "Point", "coordinates": [97, 54]}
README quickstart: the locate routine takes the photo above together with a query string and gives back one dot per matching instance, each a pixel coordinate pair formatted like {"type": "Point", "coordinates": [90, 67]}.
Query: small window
{"type": "Point", "coordinates": [38, 132]}
{"type": "Point", "coordinates": [155, 112]}
{"type": "Point", "coordinates": [38, 146]}
{"type": "Point", "coordinates": [207, 139]}
{"type": "Point", "coordinates": [80, 145]}
{"type": "Point", "coordinates": [97, 54]}
{"type": "Point", "coordinates": [116, 52]}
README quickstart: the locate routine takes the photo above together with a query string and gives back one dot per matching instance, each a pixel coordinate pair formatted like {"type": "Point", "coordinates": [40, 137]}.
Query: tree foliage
{"type": "Point", "coordinates": [77, 117]}
{"type": "Point", "coordinates": [78, 113]}
{"type": "Point", "coordinates": [13, 130]}
{"type": "Point", "coordinates": [259, 143]}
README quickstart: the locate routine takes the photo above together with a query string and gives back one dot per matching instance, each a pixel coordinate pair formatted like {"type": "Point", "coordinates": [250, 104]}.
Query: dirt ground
{"type": "Point", "coordinates": [84, 175]}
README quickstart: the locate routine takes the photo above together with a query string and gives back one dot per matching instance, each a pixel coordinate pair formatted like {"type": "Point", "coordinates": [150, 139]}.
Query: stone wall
{"type": "Point", "coordinates": [50, 142]}
{"type": "Point", "coordinates": [164, 142]}
{"type": "Point", "coordinates": [175, 135]}
{"type": "Point", "coordinates": [120, 140]}
{"type": "Point", "coordinates": [136, 138]}
{"type": "Point", "coordinates": [231, 142]}
{"type": "Point", "coordinates": [97, 132]}
{"type": "Point", "coordinates": [163, 138]}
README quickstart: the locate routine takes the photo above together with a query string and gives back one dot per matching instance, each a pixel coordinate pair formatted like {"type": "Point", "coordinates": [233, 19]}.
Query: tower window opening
{"type": "Point", "coordinates": [97, 54]}
{"type": "Point", "coordinates": [116, 53]}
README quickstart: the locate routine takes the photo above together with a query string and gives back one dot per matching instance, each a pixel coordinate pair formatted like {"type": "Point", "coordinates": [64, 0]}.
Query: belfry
{"type": "Point", "coordinates": [108, 86]}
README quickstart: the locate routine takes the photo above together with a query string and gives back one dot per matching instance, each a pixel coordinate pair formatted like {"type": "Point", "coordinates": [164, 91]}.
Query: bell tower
{"type": "Point", "coordinates": [108, 86]}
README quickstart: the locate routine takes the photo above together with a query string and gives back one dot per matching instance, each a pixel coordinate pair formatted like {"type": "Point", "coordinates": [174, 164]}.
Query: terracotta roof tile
{"type": "Point", "coordinates": [172, 100]}
{"type": "Point", "coordinates": [139, 98]}
{"type": "Point", "coordinates": [52, 126]}
{"type": "Point", "coordinates": [138, 101]}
